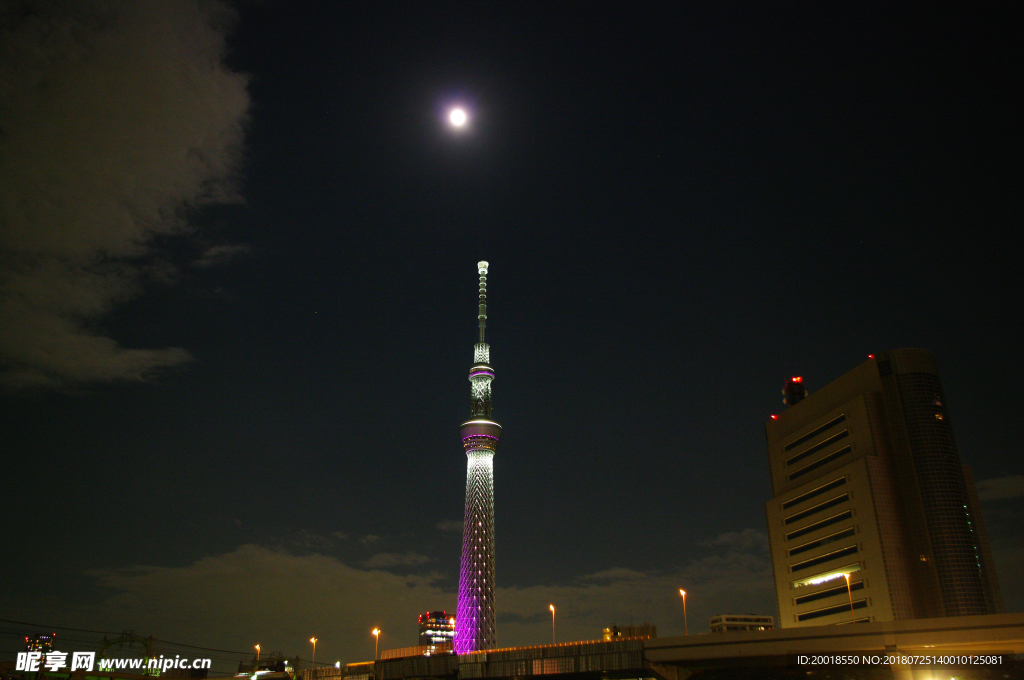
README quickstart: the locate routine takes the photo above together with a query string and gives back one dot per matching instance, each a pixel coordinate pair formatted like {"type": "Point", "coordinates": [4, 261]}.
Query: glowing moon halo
{"type": "Point", "coordinates": [457, 117]}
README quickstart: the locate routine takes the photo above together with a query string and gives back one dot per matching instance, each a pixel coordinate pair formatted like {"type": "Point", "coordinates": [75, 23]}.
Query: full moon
{"type": "Point", "coordinates": [457, 117]}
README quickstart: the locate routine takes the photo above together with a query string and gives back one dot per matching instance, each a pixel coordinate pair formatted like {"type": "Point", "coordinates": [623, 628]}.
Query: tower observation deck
{"type": "Point", "coordinates": [474, 619]}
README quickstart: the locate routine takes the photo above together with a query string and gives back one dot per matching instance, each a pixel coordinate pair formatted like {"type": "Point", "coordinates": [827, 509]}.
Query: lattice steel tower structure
{"type": "Point", "coordinates": [474, 620]}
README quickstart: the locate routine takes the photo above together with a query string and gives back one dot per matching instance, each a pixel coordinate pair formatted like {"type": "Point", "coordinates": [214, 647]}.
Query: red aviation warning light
{"type": "Point", "coordinates": [793, 391]}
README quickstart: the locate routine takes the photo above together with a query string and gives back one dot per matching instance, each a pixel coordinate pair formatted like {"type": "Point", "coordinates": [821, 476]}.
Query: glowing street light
{"type": "Point", "coordinates": [257, 652]}
{"type": "Point", "coordinates": [313, 640]}
{"type": "Point", "coordinates": [376, 634]}
{"type": "Point", "coordinates": [552, 608]}
{"type": "Point", "coordinates": [686, 626]}
{"type": "Point", "coordinates": [853, 616]}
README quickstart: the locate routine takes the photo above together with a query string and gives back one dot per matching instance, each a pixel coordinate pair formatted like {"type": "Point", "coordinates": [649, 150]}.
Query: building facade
{"type": "Point", "coordinates": [437, 629]}
{"type": "Point", "coordinates": [873, 517]}
{"type": "Point", "coordinates": [475, 627]}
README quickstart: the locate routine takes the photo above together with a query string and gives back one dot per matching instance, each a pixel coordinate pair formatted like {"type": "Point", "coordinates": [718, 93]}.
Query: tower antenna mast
{"type": "Point", "coordinates": [482, 314]}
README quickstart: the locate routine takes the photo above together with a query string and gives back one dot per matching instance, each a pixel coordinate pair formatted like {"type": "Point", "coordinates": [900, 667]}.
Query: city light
{"type": "Point", "coordinates": [849, 592]}
{"type": "Point", "coordinates": [686, 625]}
{"type": "Point", "coordinates": [257, 652]}
{"type": "Point", "coordinates": [552, 608]}
{"type": "Point", "coordinates": [376, 641]}
{"type": "Point", "coordinates": [827, 576]}
{"type": "Point", "coordinates": [313, 663]}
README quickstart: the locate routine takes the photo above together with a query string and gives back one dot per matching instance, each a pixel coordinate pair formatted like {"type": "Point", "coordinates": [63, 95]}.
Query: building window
{"type": "Point", "coordinates": [834, 519]}
{"type": "Point", "coordinates": [811, 435]}
{"type": "Point", "coordinates": [814, 492]}
{"type": "Point", "coordinates": [825, 576]}
{"type": "Point", "coordinates": [828, 611]}
{"type": "Point", "coordinates": [818, 447]}
{"type": "Point", "coordinates": [831, 592]}
{"type": "Point", "coordinates": [800, 566]}
{"type": "Point", "coordinates": [820, 507]}
{"type": "Point", "coordinates": [821, 461]}
{"type": "Point", "coordinates": [846, 533]}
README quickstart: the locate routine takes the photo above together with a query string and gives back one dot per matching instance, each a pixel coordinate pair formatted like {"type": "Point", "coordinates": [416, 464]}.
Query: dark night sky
{"type": "Point", "coordinates": [239, 297]}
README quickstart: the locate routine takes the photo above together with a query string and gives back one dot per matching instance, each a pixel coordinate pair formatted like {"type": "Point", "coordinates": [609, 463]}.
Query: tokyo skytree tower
{"type": "Point", "coordinates": [474, 620]}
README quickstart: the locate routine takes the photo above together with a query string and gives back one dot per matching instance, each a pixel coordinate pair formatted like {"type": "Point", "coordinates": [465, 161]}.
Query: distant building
{"type": "Point", "coordinates": [40, 642]}
{"type": "Point", "coordinates": [873, 517]}
{"type": "Point", "coordinates": [270, 666]}
{"type": "Point", "coordinates": [644, 630]}
{"type": "Point", "coordinates": [437, 629]}
{"type": "Point", "coordinates": [724, 622]}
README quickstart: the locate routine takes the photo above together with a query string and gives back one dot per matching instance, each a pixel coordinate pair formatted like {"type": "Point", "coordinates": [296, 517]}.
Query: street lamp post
{"type": "Point", "coordinates": [257, 652]}
{"type": "Point", "coordinates": [686, 625]}
{"type": "Point", "coordinates": [552, 608]}
{"type": "Point", "coordinates": [313, 664]}
{"type": "Point", "coordinates": [849, 591]}
{"type": "Point", "coordinates": [376, 635]}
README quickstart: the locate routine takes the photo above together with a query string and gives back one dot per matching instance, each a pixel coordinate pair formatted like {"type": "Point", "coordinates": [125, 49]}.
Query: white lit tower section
{"type": "Point", "coordinates": [474, 620]}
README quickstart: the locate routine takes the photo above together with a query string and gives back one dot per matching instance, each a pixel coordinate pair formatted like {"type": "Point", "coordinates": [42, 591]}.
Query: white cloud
{"type": "Point", "coordinates": [116, 119]}
{"type": "Point", "coordinates": [1001, 488]}
{"type": "Point", "coordinates": [219, 254]}
{"type": "Point", "coordinates": [716, 584]}
{"type": "Point", "coordinates": [256, 593]}
{"type": "Point", "coordinates": [450, 526]}
{"type": "Point", "coordinates": [304, 538]}
{"type": "Point", "coordinates": [748, 539]}
{"type": "Point", "coordinates": [280, 598]}
{"type": "Point", "coordinates": [615, 574]}
{"type": "Point", "coordinates": [406, 559]}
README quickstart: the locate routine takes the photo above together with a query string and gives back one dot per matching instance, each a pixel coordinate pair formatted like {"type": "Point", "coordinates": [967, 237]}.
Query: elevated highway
{"type": "Point", "coordinates": [771, 653]}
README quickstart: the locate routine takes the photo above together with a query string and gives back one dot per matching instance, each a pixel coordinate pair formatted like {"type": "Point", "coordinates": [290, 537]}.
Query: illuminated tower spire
{"type": "Point", "coordinates": [474, 621]}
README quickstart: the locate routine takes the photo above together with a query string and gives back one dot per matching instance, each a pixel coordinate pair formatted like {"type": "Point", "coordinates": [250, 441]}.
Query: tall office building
{"type": "Point", "coordinates": [874, 518]}
{"type": "Point", "coordinates": [474, 619]}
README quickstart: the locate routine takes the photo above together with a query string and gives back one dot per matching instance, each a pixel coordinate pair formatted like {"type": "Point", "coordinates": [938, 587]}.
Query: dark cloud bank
{"type": "Point", "coordinates": [116, 119]}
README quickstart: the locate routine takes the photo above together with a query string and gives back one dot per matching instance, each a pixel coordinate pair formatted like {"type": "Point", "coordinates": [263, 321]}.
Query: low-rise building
{"type": "Point", "coordinates": [644, 630]}
{"type": "Point", "coordinates": [724, 622]}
